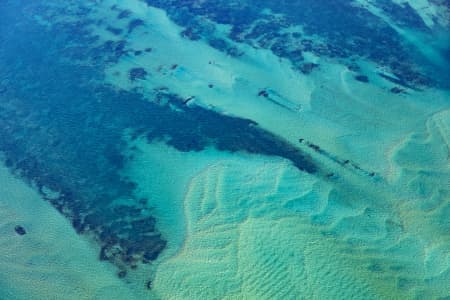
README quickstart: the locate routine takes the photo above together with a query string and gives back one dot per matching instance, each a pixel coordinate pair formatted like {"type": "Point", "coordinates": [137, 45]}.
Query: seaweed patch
{"type": "Point", "coordinates": [134, 24]}
{"type": "Point", "coordinates": [137, 73]}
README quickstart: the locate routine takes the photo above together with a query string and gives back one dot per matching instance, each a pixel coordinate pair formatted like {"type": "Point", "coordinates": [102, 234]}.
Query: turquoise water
{"type": "Point", "coordinates": [224, 150]}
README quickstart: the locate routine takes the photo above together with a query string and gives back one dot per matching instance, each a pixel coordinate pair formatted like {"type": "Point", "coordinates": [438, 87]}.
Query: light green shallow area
{"type": "Point", "coordinates": [50, 261]}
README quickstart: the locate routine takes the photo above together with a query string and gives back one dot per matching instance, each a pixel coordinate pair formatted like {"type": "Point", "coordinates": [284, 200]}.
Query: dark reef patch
{"type": "Point", "coordinates": [109, 51]}
{"type": "Point", "coordinates": [148, 285]}
{"type": "Point", "coordinates": [263, 93]}
{"type": "Point", "coordinates": [113, 30]}
{"type": "Point", "coordinates": [61, 129]}
{"type": "Point", "coordinates": [395, 80]}
{"type": "Point", "coordinates": [307, 68]}
{"type": "Point", "coordinates": [362, 78]}
{"type": "Point", "coordinates": [346, 163]}
{"type": "Point", "coordinates": [20, 230]}
{"type": "Point", "coordinates": [124, 14]}
{"type": "Point", "coordinates": [396, 90]}
{"type": "Point", "coordinates": [134, 24]}
{"type": "Point", "coordinates": [122, 274]}
{"type": "Point", "coordinates": [137, 73]}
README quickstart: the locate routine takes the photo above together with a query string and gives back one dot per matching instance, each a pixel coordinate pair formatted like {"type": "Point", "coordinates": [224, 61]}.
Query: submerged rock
{"type": "Point", "coordinates": [397, 90]}
{"type": "Point", "coordinates": [307, 68]}
{"type": "Point", "coordinates": [20, 230]}
{"type": "Point", "coordinates": [124, 14]}
{"type": "Point", "coordinates": [122, 274]}
{"type": "Point", "coordinates": [137, 73]}
{"type": "Point", "coordinates": [362, 78]}
{"type": "Point", "coordinates": [148, 285]}
{"type": "Point", "coordinates": [134, 23]}
{"type": "Point", "coordinates": [263, 93]}
{"type": "Point", "coordinates": [113, 30]}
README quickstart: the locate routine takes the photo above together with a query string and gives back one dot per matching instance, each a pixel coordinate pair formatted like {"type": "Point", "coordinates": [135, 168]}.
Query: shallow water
{"type": "Point", "coordinates": [224, 150]}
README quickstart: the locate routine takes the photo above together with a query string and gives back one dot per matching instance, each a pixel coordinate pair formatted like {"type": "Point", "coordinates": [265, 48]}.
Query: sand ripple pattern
{"type": "Point", "coordinates": [249, 236]}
